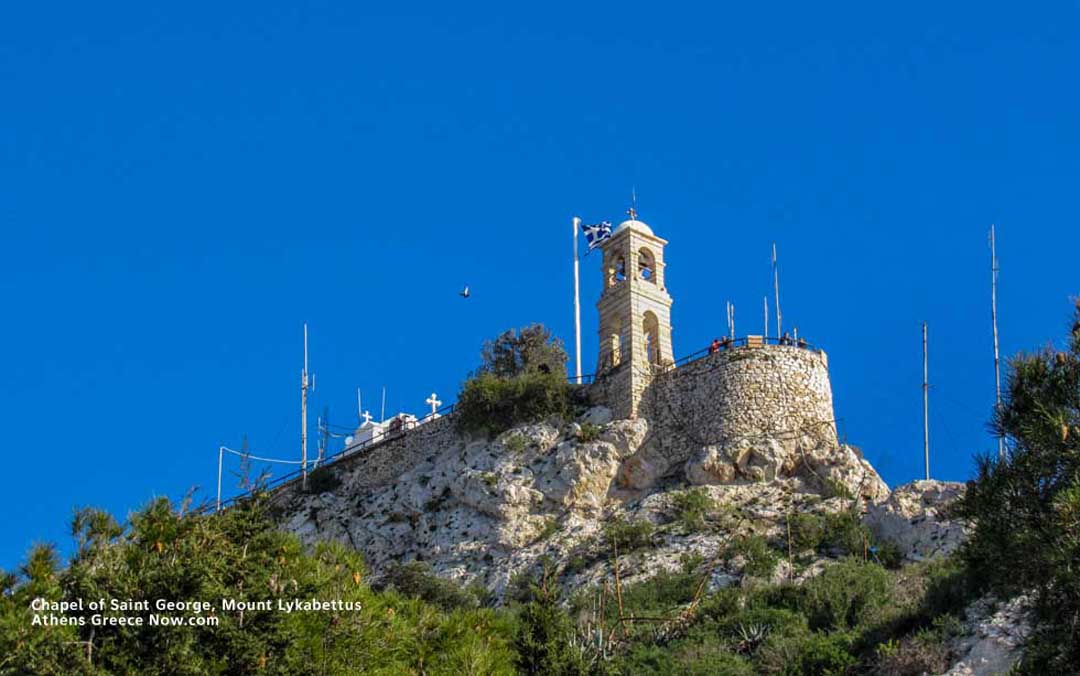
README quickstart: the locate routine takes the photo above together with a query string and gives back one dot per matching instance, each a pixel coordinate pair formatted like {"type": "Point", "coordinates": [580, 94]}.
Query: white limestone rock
{"type": "Point", "coordinates": [760, 459]}
{"type": "Point", "coordinates": [486, 510]}
{"type": "Point", "coordinates": [626, 436]}
{"type": "Point", "coordinates": [913, 517]}
{"type": "Point", "coordinates": [580, 474]}
{"type": "Point", "coordinates": [841, 465]}
{"type": "Point", "coordinates": [709, 466]}
{"type": "Point", "coordinates": [597, 415]}
{"type": "Point", "coordinates": [995, 633]}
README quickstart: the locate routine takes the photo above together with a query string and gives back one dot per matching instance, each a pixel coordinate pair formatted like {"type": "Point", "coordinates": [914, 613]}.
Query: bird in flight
{"type": "Point", "coordinates": [464, 293]}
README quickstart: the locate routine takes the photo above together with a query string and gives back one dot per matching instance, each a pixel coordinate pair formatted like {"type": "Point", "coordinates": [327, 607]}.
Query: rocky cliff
{"type": "Point", "coordinates": [482, 511]}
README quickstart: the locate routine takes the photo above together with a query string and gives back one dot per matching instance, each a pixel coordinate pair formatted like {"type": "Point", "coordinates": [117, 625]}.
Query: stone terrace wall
{"type": "Point", "coordinates": [776, 391]}
{"type": "Point", "coordinates": [380, 464]}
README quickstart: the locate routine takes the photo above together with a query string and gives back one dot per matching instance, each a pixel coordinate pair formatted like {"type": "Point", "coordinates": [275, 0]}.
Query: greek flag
{"type": "Point", "coordinates": [594, 234]}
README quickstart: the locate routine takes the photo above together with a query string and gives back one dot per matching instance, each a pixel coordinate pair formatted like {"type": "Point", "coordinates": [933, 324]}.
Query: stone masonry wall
{"type": "Point", "coordinates": [381, 464]}
{"type": "Point", "coordinates": [743, 393]}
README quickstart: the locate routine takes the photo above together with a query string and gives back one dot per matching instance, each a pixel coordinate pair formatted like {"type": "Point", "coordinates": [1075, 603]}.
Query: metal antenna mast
{"type": "Point", "coordinates": [993, 317]}
{"type": "Point", "coordinates": [925, 404]}
{"type": "Point", "coordinates": [305, 382]}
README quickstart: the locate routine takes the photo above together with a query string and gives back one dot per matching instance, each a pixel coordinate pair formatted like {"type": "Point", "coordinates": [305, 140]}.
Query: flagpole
{"type": "Point", "coordinates": [577, 304]}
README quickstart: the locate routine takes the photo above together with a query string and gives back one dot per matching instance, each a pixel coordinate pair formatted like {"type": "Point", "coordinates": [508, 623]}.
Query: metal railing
{"type": "Point", "coordinates": [745, 341]}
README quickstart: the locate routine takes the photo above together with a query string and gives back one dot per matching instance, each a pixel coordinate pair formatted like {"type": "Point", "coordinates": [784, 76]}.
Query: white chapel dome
{"type": "Point", "coordinates": [633, 224]}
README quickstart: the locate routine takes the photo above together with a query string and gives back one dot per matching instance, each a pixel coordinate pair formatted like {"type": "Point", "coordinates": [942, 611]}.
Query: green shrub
{"type": "Point", "coordinates": [887, 554]}
{"type": "Point", "coordinates": [544, 640]}
{"type": "Point", "coordinates": [845, 533]}
{"type": "Point", "coordinates": [924, 652]}
{"type": "Point", "coordinates": [833, 532]}
{"type": "Point", "coordinates": [836, 489]}
{"type": "Point", "coordinates": [322, 480]}
{"type": "Point", "coordinates": [826, 654]}
{"type": "Point", "coordinates": [628, 535]}
{"type": "Point", "coordinates": [662, 592]}
{"type": "Point", "coordinates": [417, 580]}
{"type": "Point", "coordinates": [490, 405]}
{"type": "Point", "coordinates": [844, 594]}
{"type": "Point", "coordinates": [588, 432]}
{"type": "Point", "coordinates": [747, 628]}
{"type": "Point", "coordinates": [806, 531]}
{"type": "Point", "coordinates": [521, 379]}
{"type": "Point", "coordinates": [515, 443]}
{"type": "Point", "coordinates": [692, 508]}
{"type": "Point", "coordinates": [531, 349]}
{"type": "Point", "coordinates": [949, 587]}
{"type": "Point", "coordinates": [683, 658]}
{"type": "Point", "coordinates": [551, 526]}
{"type": "Point", "coordinates": [760, 558]}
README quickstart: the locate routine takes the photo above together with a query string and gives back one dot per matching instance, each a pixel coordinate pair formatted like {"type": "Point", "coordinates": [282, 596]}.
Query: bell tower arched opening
{"type": "Point", "coordinates": [635, 314]}
{"type": "Point", "coordinates": [646, 265]}
{"type": "Point", "coordinates": [650, 327]}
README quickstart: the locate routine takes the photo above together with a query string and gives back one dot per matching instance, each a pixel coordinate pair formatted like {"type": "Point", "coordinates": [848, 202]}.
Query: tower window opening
{"type": "Point", "coordinates": [616, 347]}
{"type": "Point", "coordinates": [651, 328]}
{"type": "Point", "coordinates": [647, 265]}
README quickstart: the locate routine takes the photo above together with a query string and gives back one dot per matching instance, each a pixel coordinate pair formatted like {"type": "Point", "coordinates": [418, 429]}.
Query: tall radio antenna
{"type": "Point", "coordinates": [993, 318]}
{"type": "Point", "coordinates": [925, 404]}
{"type": "Point", "coordinates": [305, 382]}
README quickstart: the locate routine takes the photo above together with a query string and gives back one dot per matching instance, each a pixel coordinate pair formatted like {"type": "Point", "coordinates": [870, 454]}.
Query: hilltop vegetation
{"type": "Point", "coordinates": [815, 591]}
{"type": "Point", "coordinates": [521, 379]}
{"type": "Point", "coordinates": [164, 553]}
{"type": "Point", "coordinates": [1026, 508]}
{"type": "Point", "coordinates": [417, 623]}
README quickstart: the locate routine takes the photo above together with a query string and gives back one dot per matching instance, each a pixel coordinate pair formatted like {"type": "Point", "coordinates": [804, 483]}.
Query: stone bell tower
{"type": "Point", "coordinates": [635, 314]}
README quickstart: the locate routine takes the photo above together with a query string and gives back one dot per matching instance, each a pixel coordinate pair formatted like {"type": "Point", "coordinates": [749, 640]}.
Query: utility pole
{"type": "Point", "coordinates": [304, 383]}
{"type": "Point", "coordinates": [925, 404]}
{"type": "Point", "coordinates": [576, 222]}
{"type": "Point", "coordinates": [993, 318]}
{"type": "Point", "coordinates": [776, 290]}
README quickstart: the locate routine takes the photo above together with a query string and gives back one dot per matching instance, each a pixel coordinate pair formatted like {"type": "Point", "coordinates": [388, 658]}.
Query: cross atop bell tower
{"type": "Point", "coordinates": [635, 310]}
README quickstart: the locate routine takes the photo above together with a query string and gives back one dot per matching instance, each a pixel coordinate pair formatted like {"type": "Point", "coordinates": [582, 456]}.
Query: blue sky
{"type": "Point", "coordinates": [181, 187]}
